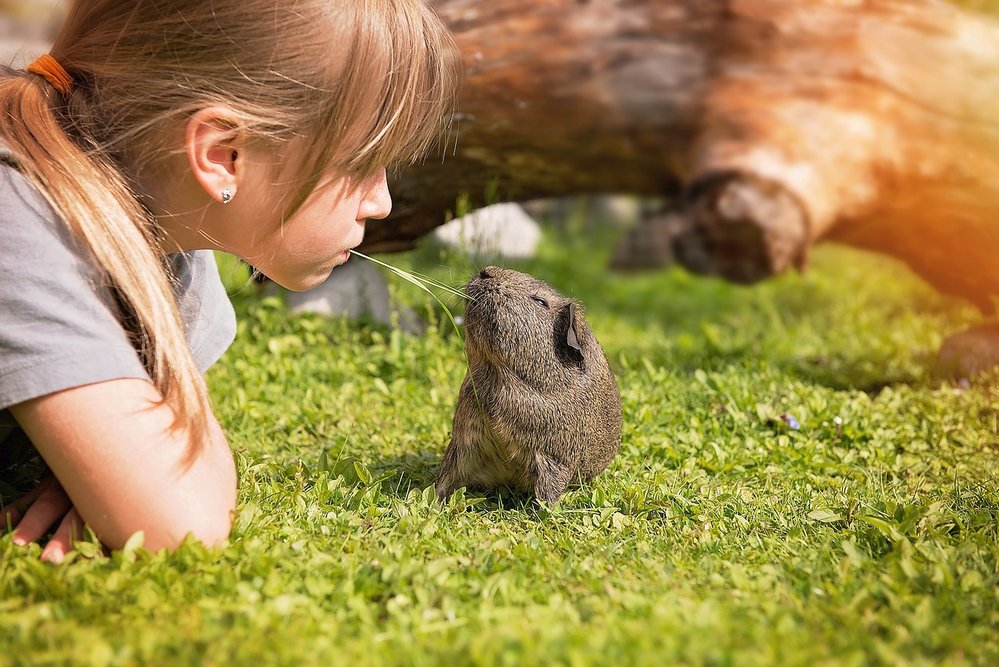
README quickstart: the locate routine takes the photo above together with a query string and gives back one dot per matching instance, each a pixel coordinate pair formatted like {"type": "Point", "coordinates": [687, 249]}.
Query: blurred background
{"type": "Point", "coordinates": [684, 134]}
{"type": "Point", "coordinates": [26, 27]}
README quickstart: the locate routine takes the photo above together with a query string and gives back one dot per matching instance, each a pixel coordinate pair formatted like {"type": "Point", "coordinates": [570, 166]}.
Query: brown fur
{"type": "Point", "coordinates": [539, 407]}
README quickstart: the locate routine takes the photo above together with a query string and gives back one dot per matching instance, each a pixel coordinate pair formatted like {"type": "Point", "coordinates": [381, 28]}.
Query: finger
{"type": "Point", "coordinates": [70, 530]}
{"type": "Point", "coordinates": [51, 506]}
{"type": "Point", "coordinates": [11, 513]}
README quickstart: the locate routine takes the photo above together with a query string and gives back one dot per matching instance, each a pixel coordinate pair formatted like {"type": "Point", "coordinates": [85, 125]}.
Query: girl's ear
{"type": "Point", "coordinates": [213, 148]}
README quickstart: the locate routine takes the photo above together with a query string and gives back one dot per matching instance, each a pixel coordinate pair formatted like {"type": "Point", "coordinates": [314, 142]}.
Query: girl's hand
{"type": "Point", "coordinates": [32, 515]}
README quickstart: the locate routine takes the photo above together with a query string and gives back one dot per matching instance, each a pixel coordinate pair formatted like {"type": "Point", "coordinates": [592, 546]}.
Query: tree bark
{"type": "Point", "coordinates": [774, 124]}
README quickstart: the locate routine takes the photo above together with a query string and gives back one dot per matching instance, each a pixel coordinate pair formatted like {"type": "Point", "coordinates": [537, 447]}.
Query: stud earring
{"type": "Point", "coordinates": [226, 195]}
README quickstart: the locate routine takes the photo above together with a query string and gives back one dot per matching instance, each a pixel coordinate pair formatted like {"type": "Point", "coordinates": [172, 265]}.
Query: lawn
{"type": "Point", "coordinates": [719, 536]}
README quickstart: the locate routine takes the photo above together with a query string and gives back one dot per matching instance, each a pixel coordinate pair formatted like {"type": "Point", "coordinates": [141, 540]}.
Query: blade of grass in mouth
{"type": "Point", "coordinates": [417, 279]}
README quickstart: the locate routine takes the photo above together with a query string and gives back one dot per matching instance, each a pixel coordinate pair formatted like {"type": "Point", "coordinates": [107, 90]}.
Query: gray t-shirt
{"type": "Point", "coordinates": [58, 323]}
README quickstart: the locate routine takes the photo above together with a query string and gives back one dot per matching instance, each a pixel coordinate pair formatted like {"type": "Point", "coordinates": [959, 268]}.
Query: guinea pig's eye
{"type": "Point", "coordinates": [539, 300]}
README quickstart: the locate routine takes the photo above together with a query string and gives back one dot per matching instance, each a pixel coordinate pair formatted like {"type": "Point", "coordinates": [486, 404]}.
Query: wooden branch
{"type": "Point", "coordinates": [780, 123]}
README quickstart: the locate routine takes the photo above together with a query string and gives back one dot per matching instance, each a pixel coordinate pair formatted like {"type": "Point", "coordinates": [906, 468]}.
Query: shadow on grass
{"type": "Point", "coordinates": [403, 474]}
{"type": "Point", "coordinates": [865, 374]}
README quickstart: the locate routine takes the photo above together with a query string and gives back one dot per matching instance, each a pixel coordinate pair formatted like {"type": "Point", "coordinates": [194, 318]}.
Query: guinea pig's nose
{"type": "Point", "coordinates": [484, 274]}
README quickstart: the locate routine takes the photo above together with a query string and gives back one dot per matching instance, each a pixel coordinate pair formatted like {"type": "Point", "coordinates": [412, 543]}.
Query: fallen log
{"type": "Point", "coordinates": [773, 125]}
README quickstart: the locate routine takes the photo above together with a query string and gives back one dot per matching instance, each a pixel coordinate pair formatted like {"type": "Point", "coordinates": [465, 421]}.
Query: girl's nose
{"type": "Point", "coordinates": [377, 201]}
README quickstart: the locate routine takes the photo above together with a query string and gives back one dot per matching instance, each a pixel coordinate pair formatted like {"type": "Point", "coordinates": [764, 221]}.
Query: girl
{"type": "Point", "coordinates": [155, 132]}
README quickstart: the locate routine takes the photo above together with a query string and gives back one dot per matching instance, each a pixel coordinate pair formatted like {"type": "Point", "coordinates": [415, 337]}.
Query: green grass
{"type": "Point", "coordinates": [718, 536]}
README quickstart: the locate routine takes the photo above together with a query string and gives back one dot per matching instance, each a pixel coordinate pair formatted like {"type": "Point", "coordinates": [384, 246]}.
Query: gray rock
{"type": "Point", "coordinates": [500, 230]}
{"type": "Point", "coordinates": [969, 353]}
{"type": "Point", "coordinates": [650, 244]}
{"type": "Point", "coordinates": [355, 290]}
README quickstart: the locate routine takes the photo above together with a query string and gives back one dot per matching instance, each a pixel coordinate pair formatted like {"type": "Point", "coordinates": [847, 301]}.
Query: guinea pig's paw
{"type": "Point", "coordinates": [548, 492]}
{"type": "Point", "coordinates": [551, 481]}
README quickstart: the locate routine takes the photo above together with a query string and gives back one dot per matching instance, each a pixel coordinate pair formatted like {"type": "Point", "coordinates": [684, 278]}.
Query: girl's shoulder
{"type": "Point", "coordinates": [59, 323]}
{"type": "Point", "coordinates": [29, 229]}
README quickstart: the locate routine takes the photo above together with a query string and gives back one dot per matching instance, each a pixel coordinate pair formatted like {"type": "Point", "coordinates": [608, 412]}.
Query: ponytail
{"type": "Point", "coordinates": [98, 206]}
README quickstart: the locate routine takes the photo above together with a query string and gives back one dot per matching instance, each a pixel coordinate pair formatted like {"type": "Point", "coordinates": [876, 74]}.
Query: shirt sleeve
{"type": "Point", "coordinates": [58, 323]}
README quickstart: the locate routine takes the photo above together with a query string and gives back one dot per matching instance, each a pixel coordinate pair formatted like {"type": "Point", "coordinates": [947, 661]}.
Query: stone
{"type": "Point", "coordinates": [500, 230]}
{"type": "Point", "coordinates": [969, 353]}
{"type": "Point", "coordinates": [355, 290]}
{"type": "Point", "coordinates": [650, 244]}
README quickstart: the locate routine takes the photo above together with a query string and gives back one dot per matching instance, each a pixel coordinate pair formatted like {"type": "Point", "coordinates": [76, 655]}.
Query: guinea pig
{"type": "Point", "coordinates": [539, 407]}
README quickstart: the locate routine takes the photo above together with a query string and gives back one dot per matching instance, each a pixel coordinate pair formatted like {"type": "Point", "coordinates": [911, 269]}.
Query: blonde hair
{"type": "Point", "coordinates": [347, 85]}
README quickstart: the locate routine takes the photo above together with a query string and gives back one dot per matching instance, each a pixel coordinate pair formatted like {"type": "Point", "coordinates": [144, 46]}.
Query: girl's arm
{"type": "Point", "coordinates": [112, 448]}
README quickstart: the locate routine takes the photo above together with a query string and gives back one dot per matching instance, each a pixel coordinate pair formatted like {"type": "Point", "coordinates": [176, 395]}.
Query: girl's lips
{"type": "Point", "coordinates": [337, 260]}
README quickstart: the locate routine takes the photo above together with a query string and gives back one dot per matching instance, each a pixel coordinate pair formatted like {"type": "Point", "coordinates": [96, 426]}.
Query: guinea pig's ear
{"type": "Point", "coordinates": [571, 339]}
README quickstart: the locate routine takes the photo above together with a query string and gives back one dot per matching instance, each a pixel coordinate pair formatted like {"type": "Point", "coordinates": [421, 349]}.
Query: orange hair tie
{"type": "Point", "coordinates": [48, 67]}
